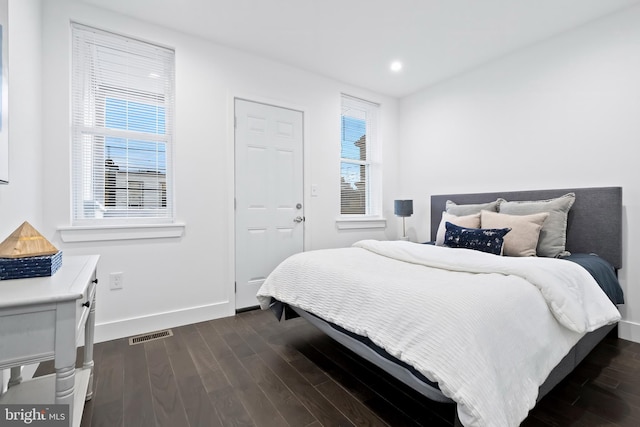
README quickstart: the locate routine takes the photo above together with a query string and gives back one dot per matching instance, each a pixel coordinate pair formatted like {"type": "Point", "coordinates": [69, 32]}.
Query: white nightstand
{"type": "Point", "coordinates": [42, 319]}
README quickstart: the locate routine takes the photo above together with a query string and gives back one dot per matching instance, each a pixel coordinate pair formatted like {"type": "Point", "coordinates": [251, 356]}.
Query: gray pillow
{"type": "Point", "coordinates": [462, 210]}
{"type": "Point", "coordinates": [553, 235]}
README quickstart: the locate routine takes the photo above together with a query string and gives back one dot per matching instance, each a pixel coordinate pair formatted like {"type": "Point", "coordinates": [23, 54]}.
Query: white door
{"type": "Point", "coordinates": [269, 193]}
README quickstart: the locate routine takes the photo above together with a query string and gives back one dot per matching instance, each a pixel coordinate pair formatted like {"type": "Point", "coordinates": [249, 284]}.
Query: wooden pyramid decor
{"type": "Point", "coordinates": [24, 242]}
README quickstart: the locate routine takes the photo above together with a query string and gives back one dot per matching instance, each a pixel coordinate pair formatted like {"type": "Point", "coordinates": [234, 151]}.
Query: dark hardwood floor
{"type": "Point", "coordinates": [250, 370]}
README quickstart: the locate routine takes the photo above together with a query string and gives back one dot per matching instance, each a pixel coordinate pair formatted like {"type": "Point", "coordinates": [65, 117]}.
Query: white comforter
{"type": "Point", "coordinates": [488, 329]}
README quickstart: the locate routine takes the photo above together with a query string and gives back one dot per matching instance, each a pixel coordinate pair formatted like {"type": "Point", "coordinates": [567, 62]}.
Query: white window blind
{"type": "Point", "coordinates": [359, 161]}
{"type": "Point", "coordinates": [122, 129]}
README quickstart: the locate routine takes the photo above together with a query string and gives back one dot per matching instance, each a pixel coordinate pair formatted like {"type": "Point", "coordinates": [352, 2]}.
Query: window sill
{"type": "Point", "coordinates": [360, 223]}
{"type": "Point", "coordinates": [101, 233]}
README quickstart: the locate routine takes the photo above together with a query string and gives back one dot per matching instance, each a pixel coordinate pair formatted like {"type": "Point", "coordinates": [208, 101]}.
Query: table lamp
{"type": "Point", "coordinates": [403, 208]}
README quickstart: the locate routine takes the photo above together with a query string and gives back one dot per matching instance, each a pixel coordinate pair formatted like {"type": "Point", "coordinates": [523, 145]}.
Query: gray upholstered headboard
{"type": "Point", "coordinates": [594, 224]}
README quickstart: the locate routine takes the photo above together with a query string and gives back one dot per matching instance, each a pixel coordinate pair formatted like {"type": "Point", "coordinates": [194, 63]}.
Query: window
{"type": "Point", "coordinates": [122, 119]}
{"type": "Point", "coordinates": [359, 160]}
{"type": "Point", "coordinates": [136, 194]}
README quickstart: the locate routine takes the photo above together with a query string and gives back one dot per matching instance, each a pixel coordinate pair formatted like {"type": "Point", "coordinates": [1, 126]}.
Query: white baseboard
{"type": "Point", "coordinates": [629, 331]}
{"type": "Point", "coordinates": [140, 325]}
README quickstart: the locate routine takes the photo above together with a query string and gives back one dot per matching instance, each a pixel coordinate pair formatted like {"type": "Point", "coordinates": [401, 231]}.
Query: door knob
{"type": "Point", "coordinates": [298, 219]}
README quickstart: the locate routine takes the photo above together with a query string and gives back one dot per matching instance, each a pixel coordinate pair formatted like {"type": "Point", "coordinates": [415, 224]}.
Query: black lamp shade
{"type": "Point", "coordinates": [403, 207]}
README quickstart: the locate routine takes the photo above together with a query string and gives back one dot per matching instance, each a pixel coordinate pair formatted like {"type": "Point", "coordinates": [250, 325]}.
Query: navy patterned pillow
{"type": "Point", "coordinates": [480, 239]}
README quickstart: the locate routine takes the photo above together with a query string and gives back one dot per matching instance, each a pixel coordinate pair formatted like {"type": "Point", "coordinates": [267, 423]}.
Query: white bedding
{"type": "Point", "coordinates": [487, 329]}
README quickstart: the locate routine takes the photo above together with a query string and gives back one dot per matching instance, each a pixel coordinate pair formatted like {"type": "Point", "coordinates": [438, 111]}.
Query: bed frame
{"type": "Point", "coordinates": [594, 226]}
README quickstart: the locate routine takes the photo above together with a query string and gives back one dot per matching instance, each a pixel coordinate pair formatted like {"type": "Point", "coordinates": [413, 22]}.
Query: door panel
{"type": "Point", "coordinates": [269, 188]}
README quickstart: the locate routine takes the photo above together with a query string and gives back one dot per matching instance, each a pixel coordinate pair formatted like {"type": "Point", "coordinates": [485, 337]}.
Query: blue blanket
{"type": "Point", "coordinates": [603, 272]}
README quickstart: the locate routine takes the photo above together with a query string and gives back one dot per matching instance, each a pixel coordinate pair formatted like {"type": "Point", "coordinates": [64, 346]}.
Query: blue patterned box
{"type": "Point", "coordinates": [35, 266]}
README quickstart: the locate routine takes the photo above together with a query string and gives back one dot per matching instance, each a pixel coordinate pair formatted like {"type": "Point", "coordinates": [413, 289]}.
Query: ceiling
{"type": "Point", "coordinates": [355, 41]}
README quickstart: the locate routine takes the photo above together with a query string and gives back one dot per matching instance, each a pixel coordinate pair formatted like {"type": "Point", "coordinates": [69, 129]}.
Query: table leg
{"type": "Point", "coordinates": [65, 387]}
{"type": "Point", "coordinates": [65, 355]}
{"type": "Point", "coordinates": [16, 376]}
{"type": "Point", "coordinates": [88, 346]}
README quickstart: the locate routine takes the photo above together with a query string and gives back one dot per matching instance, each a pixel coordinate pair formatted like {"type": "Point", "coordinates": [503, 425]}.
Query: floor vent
{"type": "Point", "coordinates": [139, 339]}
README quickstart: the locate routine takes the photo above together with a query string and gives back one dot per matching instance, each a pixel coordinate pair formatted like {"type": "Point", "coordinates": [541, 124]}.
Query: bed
{"type": "Point", "coordinates": [491, 333]}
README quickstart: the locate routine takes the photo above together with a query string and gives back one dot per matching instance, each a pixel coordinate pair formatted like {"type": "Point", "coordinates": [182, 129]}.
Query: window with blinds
{"type": "Point", "coordinates": [359, 166]}
{"type": "Point", "coordinates": [122, 125]}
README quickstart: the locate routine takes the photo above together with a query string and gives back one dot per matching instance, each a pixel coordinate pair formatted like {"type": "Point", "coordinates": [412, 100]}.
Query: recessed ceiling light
{"type": "Point", "coordinates": [396, 66]}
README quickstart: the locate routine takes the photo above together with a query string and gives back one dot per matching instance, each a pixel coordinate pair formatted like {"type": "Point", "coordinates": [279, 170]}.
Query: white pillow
{"type": "Point", "coordinates": [467, 221]}
{"type": "Point", "coordinates": [522, 240]}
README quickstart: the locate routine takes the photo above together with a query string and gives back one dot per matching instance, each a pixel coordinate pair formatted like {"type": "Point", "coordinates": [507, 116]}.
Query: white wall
{"type": "Point", "coordinates": [21, 199]}
{"type": "Point", "coordinates": [562, 113]}
{"type": "Point", "coordinates": [168, 282]}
